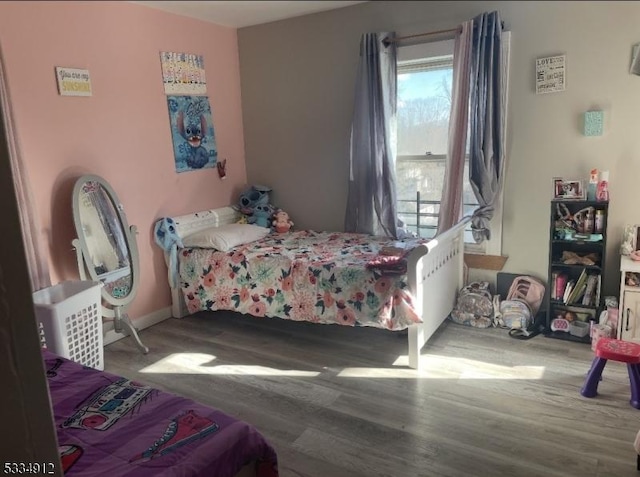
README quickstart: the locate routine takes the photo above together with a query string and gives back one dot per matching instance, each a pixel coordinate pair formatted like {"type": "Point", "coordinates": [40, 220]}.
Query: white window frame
{"type": "Point", "coordinates": [433, 50]}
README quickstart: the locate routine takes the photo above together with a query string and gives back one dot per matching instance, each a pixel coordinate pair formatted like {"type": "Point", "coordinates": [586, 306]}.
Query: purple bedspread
{"type": "Point", "coordinates": [109, 425]}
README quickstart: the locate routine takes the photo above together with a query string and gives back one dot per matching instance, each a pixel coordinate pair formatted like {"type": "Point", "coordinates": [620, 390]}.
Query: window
{"type": "Point", "coordinates": [425, 74]}
{"type": "Point", "coordinates": [424, 104]}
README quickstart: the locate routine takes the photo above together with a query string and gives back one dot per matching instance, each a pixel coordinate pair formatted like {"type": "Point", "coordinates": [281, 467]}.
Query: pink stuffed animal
{"type": "Point", "coordinates": [281, 221]}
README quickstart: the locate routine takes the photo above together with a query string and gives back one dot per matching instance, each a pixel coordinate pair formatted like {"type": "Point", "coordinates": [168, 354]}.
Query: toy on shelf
{"type": "Point", "coordinates": [560, 324]}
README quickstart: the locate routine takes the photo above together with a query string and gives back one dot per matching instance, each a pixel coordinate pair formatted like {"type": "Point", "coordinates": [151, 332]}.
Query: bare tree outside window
{"type": "Point", "coordinates": [424, 105]}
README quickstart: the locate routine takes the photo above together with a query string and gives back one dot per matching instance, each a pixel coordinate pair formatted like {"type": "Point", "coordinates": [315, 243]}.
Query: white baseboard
{"type": "Point", "coordinates": [110, 336]}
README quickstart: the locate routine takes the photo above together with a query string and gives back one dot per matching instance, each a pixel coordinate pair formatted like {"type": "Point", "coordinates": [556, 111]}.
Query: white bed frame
{"type": "Point", "coordinates": [435, 274]}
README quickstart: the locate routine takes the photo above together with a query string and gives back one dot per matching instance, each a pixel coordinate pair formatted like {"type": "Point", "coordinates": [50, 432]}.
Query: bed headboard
{"type": "Point", "coordinates": [192, 223]}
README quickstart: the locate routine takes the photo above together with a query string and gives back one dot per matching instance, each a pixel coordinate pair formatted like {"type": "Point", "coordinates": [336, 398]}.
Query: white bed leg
{"type": "Point", "coordinates": [416, 342]}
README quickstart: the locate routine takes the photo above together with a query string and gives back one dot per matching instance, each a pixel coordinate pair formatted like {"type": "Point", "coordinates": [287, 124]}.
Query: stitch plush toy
{"type": "Point", "coordinates": [281, 221]}
{"type": "Point", "coordinates": [261, 215]}
{"type": "Point", "coordinates": [252, 197]}
{"type": "Point", "coordinates": [254, 204]}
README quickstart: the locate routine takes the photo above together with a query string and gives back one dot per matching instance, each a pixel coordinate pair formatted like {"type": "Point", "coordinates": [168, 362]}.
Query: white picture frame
{"type": "Point", "coordinates": [551, 74]}
{"type": "Point", "coordinates": [568, 189]}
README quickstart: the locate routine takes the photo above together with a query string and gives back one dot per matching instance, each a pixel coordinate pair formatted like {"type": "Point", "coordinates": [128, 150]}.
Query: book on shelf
{"type": "Point", "coordinates": [589, 294]}
{"type": "Point", "coordinates": [559, 284]}
{"type": "Point", "coordinates": [579, 288]}
{"type": "Point", "coordinates": [598, 284]}
{"type": "Point", "coordinates": [567, 290]}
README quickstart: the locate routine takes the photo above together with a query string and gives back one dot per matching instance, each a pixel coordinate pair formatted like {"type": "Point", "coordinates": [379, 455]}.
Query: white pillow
{"type": "Point", "coordinates": [225, 237]}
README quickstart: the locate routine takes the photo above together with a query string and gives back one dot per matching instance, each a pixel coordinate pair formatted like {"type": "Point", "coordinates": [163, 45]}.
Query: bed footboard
{"type": "Point", "coordinates": [435, 274]}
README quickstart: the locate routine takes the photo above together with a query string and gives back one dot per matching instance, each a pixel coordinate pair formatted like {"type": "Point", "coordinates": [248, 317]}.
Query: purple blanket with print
{"type": "Point", "coordinates": [109, 425]}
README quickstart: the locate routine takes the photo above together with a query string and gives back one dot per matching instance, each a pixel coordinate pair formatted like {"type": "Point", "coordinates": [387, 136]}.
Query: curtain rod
{"type": "Point", "coordinates": [387, 41]}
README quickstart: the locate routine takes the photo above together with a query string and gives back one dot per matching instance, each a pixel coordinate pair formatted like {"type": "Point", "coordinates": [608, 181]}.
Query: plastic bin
{"type": "Point", "coordinates": [579, 328]}
{"type": "Point", "coordinates": [69, 318]}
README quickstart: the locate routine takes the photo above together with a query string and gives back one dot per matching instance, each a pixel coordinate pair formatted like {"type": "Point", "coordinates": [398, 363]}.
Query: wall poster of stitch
{"type": "Point", "coordinates": [192, 133]}
{"type": "Point", "coordinates": [183, 73]}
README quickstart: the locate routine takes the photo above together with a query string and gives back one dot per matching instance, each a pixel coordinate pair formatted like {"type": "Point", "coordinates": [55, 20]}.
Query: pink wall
{"type": "Point", "coordinates": [122, 132]}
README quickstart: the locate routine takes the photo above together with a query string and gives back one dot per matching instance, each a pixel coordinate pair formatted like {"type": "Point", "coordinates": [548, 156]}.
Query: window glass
{"type": "Point", "coordinates": [424, 105]}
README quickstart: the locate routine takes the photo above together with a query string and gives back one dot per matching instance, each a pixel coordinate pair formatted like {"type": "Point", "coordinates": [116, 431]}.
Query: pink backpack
{"type": "Point", "coordinates": [528, 289]}
{"type": "Point", "coordinates": [518, 312]}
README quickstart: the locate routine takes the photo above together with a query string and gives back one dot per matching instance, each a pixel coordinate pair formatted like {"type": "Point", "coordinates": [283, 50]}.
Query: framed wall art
{"type": "Point", "coordinates": [183, 73]}
{"type": "Point", "coordinates": [194, 141]}
{"type": "Point", "coordinates": [550, 74]}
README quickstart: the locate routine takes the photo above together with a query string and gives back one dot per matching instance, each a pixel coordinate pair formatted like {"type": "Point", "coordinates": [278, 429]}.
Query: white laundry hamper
{"type": "Point", "coordinates": [69, 317]}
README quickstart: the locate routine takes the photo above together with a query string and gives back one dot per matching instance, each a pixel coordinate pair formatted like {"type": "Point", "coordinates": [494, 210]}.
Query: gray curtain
{"type": "Point", "coordinates": [486, 118]}
{"type": "Point", "coordinates": [371, 204]}
{"type": "Point", "coordinates": [635, 63]}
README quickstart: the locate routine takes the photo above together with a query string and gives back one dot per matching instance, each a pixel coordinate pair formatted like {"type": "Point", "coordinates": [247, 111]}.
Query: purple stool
{"type": "Point", "coordinates": [615, 350]}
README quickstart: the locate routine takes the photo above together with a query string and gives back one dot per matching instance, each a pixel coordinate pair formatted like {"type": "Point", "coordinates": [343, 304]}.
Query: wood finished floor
{"type": "Point", "coordinates": [336, 402]}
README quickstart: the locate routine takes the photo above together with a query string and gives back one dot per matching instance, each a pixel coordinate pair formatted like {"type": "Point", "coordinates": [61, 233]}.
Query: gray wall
{"type": "Point", "coordinates": [297, 92]}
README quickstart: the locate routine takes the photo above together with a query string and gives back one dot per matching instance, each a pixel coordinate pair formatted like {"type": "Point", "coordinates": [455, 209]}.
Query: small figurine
{"type": "Point", "coordinates": [281, 222]}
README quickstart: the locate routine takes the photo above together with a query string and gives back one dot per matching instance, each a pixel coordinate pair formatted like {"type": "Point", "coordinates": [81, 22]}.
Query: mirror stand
{"type": "Point", "coordinates": [106, 250]}
{"type": "Point", "coordinates": [121, 321]}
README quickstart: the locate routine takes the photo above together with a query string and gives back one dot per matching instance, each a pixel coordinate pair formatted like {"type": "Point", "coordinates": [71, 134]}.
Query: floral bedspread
{"type": "Point", "coordinates": [320, 277]}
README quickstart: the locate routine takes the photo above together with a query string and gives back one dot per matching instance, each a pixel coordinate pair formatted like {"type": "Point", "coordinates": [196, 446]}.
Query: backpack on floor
{"type": "Point", "coordinates": [518, 311]}
{"type": "Point", "coordinates": [528, 289]}
{"type": "Point", "coordinates": [515, 314]}
{"type": "Point", "coordinates": [474, 306]}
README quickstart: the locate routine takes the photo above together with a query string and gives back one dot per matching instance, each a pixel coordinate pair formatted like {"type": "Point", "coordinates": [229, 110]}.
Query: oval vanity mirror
{"type": "Point", "coordinates": [106, 248]}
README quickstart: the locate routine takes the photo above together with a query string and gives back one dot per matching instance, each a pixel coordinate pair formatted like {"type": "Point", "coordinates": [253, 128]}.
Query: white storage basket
{"type": "Point", "coordinates": [70, 321]}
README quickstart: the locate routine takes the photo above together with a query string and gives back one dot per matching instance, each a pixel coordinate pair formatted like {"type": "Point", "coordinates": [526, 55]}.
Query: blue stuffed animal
{"type": "Point", "coordinates": [262, 215]}
{"type": "Point", "coordinates": [254, 204]}
{"type": "Point", "coordinates": [252, 197]}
